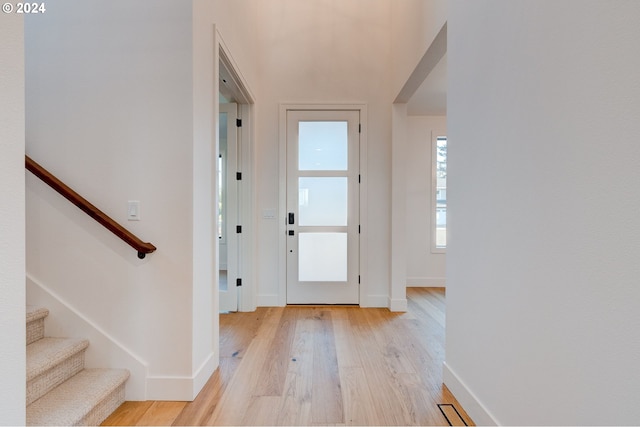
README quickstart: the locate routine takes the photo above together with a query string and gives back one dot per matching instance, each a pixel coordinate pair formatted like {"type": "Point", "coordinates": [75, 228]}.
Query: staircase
{"type": "Point", "coordinates": [60, 391]}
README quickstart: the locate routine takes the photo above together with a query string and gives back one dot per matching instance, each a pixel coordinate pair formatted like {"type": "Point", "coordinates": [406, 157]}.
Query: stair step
{"type": "Point", "coordinates": [35, 323]}
{"type": "Point", "coordinates": [88, 398]}
{"type": "Point", "coordinates": [50, 362]}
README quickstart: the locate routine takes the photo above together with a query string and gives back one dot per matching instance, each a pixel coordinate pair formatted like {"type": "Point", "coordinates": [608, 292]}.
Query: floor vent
{"type": "Point", "coordinates": [451, 414]}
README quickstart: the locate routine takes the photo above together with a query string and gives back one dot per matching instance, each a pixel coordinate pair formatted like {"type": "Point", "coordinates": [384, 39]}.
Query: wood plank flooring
{"type": "Point", "coordinates": [321, 365]}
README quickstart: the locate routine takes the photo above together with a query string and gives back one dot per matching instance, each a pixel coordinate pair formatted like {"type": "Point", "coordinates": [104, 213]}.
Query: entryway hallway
{"type": "Point", "coordinates": [321, 365]}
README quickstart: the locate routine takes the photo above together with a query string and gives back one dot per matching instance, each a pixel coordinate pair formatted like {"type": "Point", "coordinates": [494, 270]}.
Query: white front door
{"type": "Point", "coordinates": [227, 220]}
{"type": "Point", "coordinates": [322, 207]}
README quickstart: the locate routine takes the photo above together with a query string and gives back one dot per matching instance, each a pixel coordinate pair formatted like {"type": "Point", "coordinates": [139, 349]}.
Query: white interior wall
{"type": "Point", "coordinates": [204, 318]}
{"type": "Point", "coordinates": [399, 228]}
{"type": "Point", "coordinates": [236, 21]}
{"type": "Point", "coordinates": [232, 27]}
{"type": "Point", "coordinates": [542, 287]}
{"type": "Point", "coordinates": [12, 223]}
{"type": "Point", "coordinates": [110, 111]}
{"type": "Point", "coordinates": [327, 52]}
{"type": "Point", "coordinates": [130, 89]}
{"type": "Point", "coordinates": [415, 23]}
{"type": "Point", "coordinates": [424, 268]}
{"type": "Point", "coordinates": [414, 26]}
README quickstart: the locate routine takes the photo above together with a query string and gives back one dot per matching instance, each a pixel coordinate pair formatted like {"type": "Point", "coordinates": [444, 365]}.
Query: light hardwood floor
{"type": "Point", "coordinates": [321, 365]}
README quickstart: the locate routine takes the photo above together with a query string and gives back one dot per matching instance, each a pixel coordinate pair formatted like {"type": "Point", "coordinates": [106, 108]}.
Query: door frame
{"type": "Point", "coordinates": [282, 195]}
{"type": "Point", "coordinates": [226, 67]}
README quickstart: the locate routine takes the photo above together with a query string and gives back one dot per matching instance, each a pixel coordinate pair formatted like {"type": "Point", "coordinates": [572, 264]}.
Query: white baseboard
{"type": "Point", "coordinates": [375, 301]}
{"type": "Point", "coordinates": [170, 388]}
{"type": "Point", "coordinates": [268, 301]}
{"type": "Point", "coordinates": [104, 351]}
{"type": "Point", "coordinates": [476, 410]}
{"type": "Point", "coordinates": [398, 304]}
{"type": "Point", "coordinates": [426, 282]}
{"type": "Point", "coordinates": [203, 373]}
{"type": "Point", "coordinates": [181, 388]}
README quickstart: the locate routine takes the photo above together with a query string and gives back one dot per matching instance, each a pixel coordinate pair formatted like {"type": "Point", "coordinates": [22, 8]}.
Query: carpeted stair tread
{"type": "Point", "coordinates": [75, 401]}
{"type": "Point", "coordinates": [46, 353]}
{"type": "Point", "coordinates": [35, 323]}
{"type": "Point", "coordinates": [35, 313]}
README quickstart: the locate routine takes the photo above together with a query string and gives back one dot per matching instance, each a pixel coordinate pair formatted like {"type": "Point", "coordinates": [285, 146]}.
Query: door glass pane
{"type": "Point", "coordinates": [322, 201]}
{"type": "Point", "coordinates": [322, 146]}
{"type": "Point", "coordinates": [322, 257]}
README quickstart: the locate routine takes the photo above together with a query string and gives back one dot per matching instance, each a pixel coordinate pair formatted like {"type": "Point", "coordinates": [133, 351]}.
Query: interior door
{"type": "Point", "coordinates": [228, 212]}
{"type": "Point", "coordinates": [322, 207]}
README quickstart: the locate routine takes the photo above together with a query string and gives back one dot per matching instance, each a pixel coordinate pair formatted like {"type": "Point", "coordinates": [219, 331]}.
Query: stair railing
{"type": "Point", "coordinates": [128, 237]}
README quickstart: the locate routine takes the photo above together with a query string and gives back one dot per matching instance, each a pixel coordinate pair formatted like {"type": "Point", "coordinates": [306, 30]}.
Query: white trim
{"type": "Point", "coordinates": [269, 300]}
{"type": "Point", "coordinates": [170, 388]}
{"type": "Point", "coordinates": [398, 305]}
{"type": "Point", "coordinates": [224, 55]}
{"type": "Point", "coordinates": [181, 388]}
{"type": "Point", "coordinates": [375, 301]}
{"type": "Point", "coordinates": [282, 208]}
{"type": "Point", "coordinates": [469, 401]}
{"type": "Point", "coordinates": [282, 200]}
{"type": "Point", "coordinates": [398, 283]}
{"type": "Point", "coordinates": [203, 373]}
{"type": "Point", "coordinates": [364, 204]}
{"type": "Point", "coordinates": [426, 282]}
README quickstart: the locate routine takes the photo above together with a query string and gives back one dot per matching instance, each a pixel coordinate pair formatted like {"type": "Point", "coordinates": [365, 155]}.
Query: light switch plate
{"type": "Point", "coordinates": [268, 213]}
{"type": "Point", "coordinates": [133, 210]}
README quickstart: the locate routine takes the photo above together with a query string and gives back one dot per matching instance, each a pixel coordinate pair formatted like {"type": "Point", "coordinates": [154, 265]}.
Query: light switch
{"type": "Point", "coordinates": [133, 210]}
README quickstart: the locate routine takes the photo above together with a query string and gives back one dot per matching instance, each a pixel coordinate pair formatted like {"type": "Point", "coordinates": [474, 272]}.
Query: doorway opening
{"type": "Point", "coordinates": [234, 192]}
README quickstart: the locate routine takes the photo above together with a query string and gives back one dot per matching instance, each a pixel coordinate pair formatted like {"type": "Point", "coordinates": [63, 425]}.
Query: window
{"type": "Point", "coordinates": [439, 185]}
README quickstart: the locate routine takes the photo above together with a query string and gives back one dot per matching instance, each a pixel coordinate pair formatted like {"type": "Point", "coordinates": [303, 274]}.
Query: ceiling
{"type": "Point", "coordinates": [431, 97]}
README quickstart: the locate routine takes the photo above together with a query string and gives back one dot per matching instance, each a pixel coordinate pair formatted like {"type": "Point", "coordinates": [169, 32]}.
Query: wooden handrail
{"type": "Point", "coordinates": [143, 248]}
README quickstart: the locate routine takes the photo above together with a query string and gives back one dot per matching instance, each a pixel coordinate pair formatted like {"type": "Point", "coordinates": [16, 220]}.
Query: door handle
{"type": "Point", "coordinates": [291, 218]}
